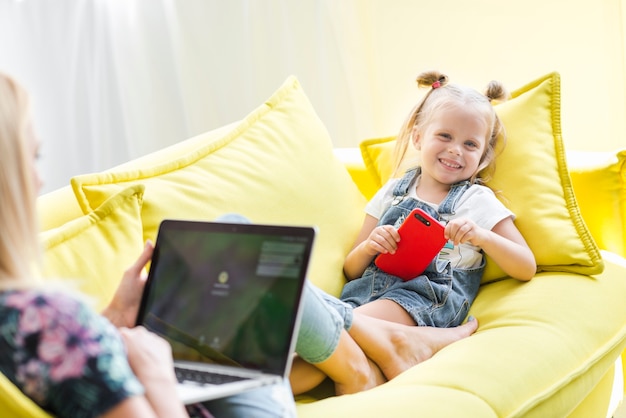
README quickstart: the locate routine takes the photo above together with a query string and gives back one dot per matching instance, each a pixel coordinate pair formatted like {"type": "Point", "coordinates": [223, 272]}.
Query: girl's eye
{"type": "Point", "coordinates": [471, 144]}
{"type": "Point", "coordinates": [445, 136]}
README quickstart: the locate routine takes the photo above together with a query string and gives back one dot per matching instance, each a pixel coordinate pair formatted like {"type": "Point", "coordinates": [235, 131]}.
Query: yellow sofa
{"type": "Point", "coordinates": [546, 348]}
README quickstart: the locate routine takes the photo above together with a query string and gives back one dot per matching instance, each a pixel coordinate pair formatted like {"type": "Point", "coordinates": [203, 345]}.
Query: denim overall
{"type": "Point", "coordinates": [441, 295]}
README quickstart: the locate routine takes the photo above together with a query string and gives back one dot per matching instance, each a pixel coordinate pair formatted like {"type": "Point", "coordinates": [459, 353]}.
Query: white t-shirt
{"type": "Point", "coordinates": [478, 203]}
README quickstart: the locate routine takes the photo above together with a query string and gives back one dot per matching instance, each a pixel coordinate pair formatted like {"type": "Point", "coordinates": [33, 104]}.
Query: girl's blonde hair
{"type": "Point", "coordinates": [19, 245]}
{"type": "Point", "coordinates": [443, 95]}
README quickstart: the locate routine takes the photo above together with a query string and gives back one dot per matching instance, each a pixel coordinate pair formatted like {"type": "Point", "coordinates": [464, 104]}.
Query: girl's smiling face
{"type": "Point", "coordinates": [452, 145]}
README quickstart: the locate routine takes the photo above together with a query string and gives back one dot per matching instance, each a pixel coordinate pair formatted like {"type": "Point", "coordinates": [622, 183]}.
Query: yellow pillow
{"type": "Point", "coordinates": [531, 178]}
{"type": "Point", "coordinates": [14, 403]}
{"type": "Point", "coordinates": [95, 249]}
{"type": "Point", "coordinates": [276, 166]}
{"type": "Point", "coordinates": [599, 180]}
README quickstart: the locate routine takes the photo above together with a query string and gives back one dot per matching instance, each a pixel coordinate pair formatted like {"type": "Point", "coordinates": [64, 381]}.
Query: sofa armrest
{"type": "Point", "coordinates": [599, 182]}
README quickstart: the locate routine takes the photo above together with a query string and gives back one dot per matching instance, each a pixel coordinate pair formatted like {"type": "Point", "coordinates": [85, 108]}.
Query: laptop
{"type": "Point", "coordinates": [226, 296]}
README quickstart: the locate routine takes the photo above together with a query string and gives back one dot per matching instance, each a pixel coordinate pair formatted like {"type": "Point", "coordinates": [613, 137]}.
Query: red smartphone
{"type": "Point", "coordinates": [421, 239]}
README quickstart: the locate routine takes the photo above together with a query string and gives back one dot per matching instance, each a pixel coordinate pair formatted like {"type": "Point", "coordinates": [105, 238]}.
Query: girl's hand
{"type": "Point", "coordinates": [123, 308]}
{"type": "Point", "coordinates": [382, 239]}
{"type": "Point", "coordinates": [463, 230]}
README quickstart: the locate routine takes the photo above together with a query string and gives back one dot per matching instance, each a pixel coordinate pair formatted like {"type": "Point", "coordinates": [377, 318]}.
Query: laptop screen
{"type": "Point", "coordinates": [227, 293]}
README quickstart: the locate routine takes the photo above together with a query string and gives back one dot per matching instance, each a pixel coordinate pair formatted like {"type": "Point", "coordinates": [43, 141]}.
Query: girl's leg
{"type": "Point", "coordinates": [347, 367]}
{"type": "Point", "coordinates": [326, 349]}
{"type": "Point", "coordinates": [386, 309]}
{"type": "Point", "coordinates": [388, 336]}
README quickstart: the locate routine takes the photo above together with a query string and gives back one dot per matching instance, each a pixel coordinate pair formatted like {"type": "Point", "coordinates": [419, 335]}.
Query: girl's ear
{"type": "Point", "coordinates": [415, 138]}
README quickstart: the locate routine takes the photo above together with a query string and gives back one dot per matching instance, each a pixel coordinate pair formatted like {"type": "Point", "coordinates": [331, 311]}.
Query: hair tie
{"type": "Point", "coordinates": [436, 84]}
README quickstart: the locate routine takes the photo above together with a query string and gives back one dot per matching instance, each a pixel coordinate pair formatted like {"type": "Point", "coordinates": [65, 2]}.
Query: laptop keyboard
{"type": "Point", "coordinates": [199, 376]}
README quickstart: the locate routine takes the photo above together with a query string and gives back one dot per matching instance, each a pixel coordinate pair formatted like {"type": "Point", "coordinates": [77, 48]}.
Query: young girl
{"type": "Point", "coordinates": [456, 131]}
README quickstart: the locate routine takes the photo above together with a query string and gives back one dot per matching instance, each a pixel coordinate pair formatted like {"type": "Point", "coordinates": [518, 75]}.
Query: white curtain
{"type": "Point", "coordinates": [112, 80]}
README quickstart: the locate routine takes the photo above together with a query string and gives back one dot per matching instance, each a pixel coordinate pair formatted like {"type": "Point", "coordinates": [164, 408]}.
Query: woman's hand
{"type": "Point", "coordinates": [149, 355]}
{"type": "Point", "coordinates": [150, 358]}
{"type": "Point", "coordinates": [123, 308]}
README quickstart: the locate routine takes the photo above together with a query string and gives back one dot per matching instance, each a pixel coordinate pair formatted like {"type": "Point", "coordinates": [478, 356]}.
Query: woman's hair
{"type": "Point", "coordinates": [443, 95]}
{"type": "Point", "coordinates": [19, 245]}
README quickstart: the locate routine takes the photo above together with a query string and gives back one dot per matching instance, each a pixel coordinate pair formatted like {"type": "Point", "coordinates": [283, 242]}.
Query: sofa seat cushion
{"type": "Point", "coordinates": [81, 251]}
{"type": "Point", "coordinates": [531, 179]}
{"type": "Point", "coordinates": [535, 354]}
{"type": "Point", "coordinates": [15, 404]}
{"type": "Point", "coordinates": [275, 166]}
{"type": "Point", "coordinates": [399, 401]}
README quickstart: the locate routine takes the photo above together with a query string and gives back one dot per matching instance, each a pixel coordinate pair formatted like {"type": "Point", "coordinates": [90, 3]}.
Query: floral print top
{"type": "Point", "coordinates": [63, 355]}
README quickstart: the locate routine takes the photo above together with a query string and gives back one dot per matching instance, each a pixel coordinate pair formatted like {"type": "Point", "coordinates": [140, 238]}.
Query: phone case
{"type": "Point", "coordinates": [421, 239]}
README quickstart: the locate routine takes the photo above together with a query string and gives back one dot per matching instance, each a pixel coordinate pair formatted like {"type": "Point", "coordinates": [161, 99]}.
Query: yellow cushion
{"type": "Point", "coordinates": [275, 166]}
{"type": "Point", "coordinates": [531, 178]}
{"type": "Point", "coordinates": [378, 158]}
{"type": "Point", "coordinates": [13, 402]}
{"type": "Point", "coordinates": [537, 353]}
{"type": "Point", "coordinates": [599, 180]}
{"type": "Point", "coordinates": [351, 158]}
{"type": "Point", "coordinates": [95, 249]}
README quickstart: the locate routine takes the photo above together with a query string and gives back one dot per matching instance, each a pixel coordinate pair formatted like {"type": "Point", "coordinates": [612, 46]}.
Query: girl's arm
{"type": "Point", "coordinates": [371, 241]}
{"type": "Point", "coordinates": [504, 244]}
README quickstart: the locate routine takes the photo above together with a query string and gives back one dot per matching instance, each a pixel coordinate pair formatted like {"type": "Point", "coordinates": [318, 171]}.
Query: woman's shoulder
{"type": "Point", "coordinates": [75, 351]}
{"type": "Point", "coordinates": [57, 301]}
{"type": "Point", "coordinates": [38, 311]}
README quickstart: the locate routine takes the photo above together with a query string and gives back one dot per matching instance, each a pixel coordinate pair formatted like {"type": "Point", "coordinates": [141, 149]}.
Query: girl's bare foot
{"type": "Point", "coordinates": [396, 347]}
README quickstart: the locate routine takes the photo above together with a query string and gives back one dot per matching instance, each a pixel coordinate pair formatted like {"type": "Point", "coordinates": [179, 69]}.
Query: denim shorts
{"type": "Point", "coordinates": [324, 317]}
{"type": "Point", "coordinates": [434, 299]}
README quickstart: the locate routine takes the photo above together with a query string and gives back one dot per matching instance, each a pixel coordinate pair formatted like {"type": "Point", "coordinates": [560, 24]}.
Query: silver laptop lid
{"type": "Point", "coordinates": [229, 294]}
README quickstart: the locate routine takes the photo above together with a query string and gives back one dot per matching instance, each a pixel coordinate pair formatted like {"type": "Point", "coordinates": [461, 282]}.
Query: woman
{"type": "Point", "coordinates": [70, 360]}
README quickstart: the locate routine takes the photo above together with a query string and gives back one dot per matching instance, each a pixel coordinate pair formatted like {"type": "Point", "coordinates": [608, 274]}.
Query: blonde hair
{"type": "Point", "coordinates": [442, 95]}
{"type": "Point", "coordinates": [19, 245]}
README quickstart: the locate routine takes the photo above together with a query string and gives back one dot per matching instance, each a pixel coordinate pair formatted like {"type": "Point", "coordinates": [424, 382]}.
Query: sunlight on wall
{"type": "Point", "coordinates": [514, 42]}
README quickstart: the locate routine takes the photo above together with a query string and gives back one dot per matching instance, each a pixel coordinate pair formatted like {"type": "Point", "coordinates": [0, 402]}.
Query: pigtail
{"type": "Point", "coordinates": [428, 79]}
{"type": "Point", "coordinates": [432, 79]}
{"type": "Point", "coordinates": [495, 93]}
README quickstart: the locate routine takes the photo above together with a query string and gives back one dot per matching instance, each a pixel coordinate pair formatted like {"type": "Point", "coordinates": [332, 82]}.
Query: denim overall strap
{"type": "Point", "coordinates": [446, 207]}
{"type": "Point", "coordinates": [402, 187]}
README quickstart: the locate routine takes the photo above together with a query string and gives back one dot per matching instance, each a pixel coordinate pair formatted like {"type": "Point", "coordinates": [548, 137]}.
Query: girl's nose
{"type": "Point", "coordinates": [453, 149]}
